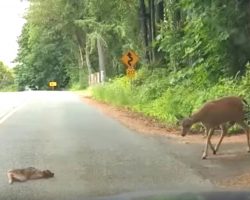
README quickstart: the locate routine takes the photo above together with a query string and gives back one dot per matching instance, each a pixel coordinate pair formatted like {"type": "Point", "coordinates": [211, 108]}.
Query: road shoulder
{"type": "Point", "coordinates": [146, 125]}
{"type": "Point", "coordinates": [229, 175]}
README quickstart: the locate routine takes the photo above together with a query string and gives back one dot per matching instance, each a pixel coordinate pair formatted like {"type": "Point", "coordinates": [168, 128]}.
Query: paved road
{"type": "Point", "coordinates": [92, 155]}
{"type": "Point", "coordinates": [9, 101]}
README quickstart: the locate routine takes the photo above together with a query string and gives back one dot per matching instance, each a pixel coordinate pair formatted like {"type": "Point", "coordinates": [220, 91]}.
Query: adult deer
{"type": "Point", "coordinates": [217, 113]}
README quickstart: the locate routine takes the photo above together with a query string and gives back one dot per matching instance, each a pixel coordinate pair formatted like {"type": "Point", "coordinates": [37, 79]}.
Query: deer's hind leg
{"type": "Point", "coordinates": [223, 133]}
{"type": "Point", "coordinates": [10, 177]}
{"type": "Point", "coordinates": [246, 128]}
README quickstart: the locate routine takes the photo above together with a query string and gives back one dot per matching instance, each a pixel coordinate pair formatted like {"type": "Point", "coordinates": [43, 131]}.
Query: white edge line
{"type": "Point", "coordinates": [3, 119]}
{"type": "Point", "coordinates": [4, 114]}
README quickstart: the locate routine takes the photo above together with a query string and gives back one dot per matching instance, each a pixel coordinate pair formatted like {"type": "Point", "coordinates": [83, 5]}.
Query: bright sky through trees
{"type": "Point", "coordinates": [11, 22]}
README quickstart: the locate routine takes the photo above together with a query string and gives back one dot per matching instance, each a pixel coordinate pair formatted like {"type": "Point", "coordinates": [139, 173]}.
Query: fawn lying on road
{"type": "Point", "coordinates": [29, 173]}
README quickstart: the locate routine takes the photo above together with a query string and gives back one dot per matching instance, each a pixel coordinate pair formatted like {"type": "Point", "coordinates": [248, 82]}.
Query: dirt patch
{"type": "Point", "coordinates": [238, 182]}
{"type": "Point", "coordinates": [146, 125]}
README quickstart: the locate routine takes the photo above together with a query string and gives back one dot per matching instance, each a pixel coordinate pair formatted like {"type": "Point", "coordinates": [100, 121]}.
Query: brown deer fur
{"type": "Point", "coordinates": [21, 175]}
{"type": "Point", "coordinates": [217, 113]}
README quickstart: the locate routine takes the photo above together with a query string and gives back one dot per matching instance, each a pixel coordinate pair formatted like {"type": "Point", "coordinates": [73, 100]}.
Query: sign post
{"type": "Point", "coordinates": [52, 84]}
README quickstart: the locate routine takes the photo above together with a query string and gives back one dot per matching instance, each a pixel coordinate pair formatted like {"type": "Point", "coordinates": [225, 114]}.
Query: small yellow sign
{"type": "Point", "coordinates": [52, 84]}
{"type": "Point", "coordinates": [130, 59]}
{"type": "Point", "coordinates": [130, 72]}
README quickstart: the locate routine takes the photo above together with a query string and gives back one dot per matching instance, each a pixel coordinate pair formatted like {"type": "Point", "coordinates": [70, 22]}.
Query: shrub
{"type": "Point", "coordinates": [169, 97]}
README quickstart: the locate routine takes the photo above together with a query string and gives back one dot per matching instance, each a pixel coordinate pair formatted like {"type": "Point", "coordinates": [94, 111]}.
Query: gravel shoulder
{"type": "Point", "coordinates": [146, 125]}
{"type": "Point", "coordinates": [236, 172]}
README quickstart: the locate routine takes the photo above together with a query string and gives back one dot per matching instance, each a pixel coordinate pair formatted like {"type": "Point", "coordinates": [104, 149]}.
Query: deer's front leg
{"type": "Point", "coordinates": [245, 126]}
{"type": "Point", "coordinates": [208, 142]}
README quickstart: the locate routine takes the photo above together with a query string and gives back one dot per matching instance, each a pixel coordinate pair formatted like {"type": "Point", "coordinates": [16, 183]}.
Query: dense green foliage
{"type": "Point", "coordinates": [6, 78]}
{"type": "Point", "coordinates": [63, 39]}
{"type": "Point", "coordinates": [190, 50]}
{"type": "Point", "coordinates": [168, 97]}
{"type": "Point", "coordinates": [206, 46]}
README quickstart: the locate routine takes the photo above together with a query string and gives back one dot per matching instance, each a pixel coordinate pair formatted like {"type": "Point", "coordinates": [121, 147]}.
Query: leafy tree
{"type": "Point", "coordinates": [207, 34]}
{"type": "Point", "coordinates": [67, 40]}
{"type": "Point", "coordinates": [6, 76]}
{"type": "Point", "coordinates": [62, 36]}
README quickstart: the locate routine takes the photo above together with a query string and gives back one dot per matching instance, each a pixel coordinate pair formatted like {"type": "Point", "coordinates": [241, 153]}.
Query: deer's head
{"type": "Point", "coordinates": [186, 125]}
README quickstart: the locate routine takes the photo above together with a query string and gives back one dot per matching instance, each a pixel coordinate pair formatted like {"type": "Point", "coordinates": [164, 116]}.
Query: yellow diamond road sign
{"type": "Point", "coordinates": [130, 59]}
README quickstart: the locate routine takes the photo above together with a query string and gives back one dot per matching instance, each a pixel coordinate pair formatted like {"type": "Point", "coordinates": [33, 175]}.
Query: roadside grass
{"type": "Point", "coordinates": [10, 88]}
{"type": "Point", "coordinates": [168, 97]}
{"type": "Point", "coordinates": [83, 92]}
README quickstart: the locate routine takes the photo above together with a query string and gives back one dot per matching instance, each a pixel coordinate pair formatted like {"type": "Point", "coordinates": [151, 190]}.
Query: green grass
{"type": "Point", "coordinates": [168, 97]}
{"type": "Point", "coordinates": [76, 87]}
{"type": "Point", "coordinates": [10, 88]}
{"type": "Point", "coordinates": [85, 92]}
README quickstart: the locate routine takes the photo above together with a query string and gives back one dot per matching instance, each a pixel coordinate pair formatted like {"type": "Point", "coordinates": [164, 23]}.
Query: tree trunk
{"type": "Point", "coordinates": [152, 27]}
{"type": "Point", "coordinates": [160, 11]}
{"type": "Point", "coordinates": [101, 58]}
{"type": "Point", "coordinates": [81, 66]}
{"type": "Point", "coordinates": [143, 16]}
{"type": "Point", "coordinates": [153, 19]}
{"type": "Point", "coordinates": [173, 28]}
{"type": "Point", "coordinates": [88, 63]}
{"type": "Point", "coordinates": [150, 35]}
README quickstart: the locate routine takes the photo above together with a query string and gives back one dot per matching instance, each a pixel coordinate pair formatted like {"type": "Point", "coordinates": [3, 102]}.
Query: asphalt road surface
{"type": "Point", "coordinates": [92, 155]}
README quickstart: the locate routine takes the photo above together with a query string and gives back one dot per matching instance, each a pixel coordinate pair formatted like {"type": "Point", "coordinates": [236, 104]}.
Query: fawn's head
{"type": "Point", "coordinates": [48, 174]}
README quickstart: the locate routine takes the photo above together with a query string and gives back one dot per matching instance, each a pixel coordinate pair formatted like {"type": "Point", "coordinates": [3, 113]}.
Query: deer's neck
{"type": "Point", "coordinates": [196, 117]}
